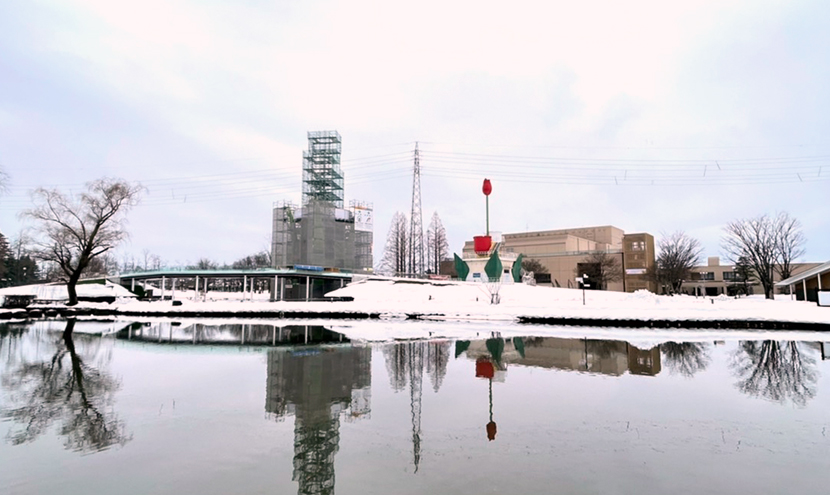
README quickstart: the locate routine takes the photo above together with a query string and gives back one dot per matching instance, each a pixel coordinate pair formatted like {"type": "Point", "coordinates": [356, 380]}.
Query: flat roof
{"type": "Point", "coordinates": [812, 272]}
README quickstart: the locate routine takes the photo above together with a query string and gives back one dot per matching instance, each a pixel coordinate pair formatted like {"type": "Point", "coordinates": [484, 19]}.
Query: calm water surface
{"type": "Point", "coordinates": [179, 408]}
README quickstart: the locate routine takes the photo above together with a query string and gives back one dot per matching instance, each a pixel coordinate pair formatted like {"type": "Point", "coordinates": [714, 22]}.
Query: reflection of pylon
{"type": "Point", "coordinates": [416, 224]}
{"type": "Point", "coordinates": [416, 375]}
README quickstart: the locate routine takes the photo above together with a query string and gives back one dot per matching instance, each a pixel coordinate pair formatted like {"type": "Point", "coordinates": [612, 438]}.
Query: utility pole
{"type": "Point", "coordinates": [416, 225]}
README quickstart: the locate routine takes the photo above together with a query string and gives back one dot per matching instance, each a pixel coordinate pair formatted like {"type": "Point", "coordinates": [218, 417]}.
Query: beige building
{"type": "Point", "coordinates": [812, 284]}
{"type": "Point", "coordinates": [713, 278]}
{"type": "Point", "coordinates": [561, 252]}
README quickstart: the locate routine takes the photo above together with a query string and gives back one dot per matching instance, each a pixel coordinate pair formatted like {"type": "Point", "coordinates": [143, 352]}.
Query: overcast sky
{"type": "Point", "coordinates": [651, 116]}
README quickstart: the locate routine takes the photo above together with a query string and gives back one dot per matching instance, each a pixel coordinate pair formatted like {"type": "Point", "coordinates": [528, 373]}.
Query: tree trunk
{"type": "Point", "coordinates": [70, 288]}
{"type": "Point", "coordinates": [67, 334]}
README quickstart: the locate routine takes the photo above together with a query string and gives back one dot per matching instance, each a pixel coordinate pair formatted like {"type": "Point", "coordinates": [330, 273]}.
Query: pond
{"type": "Point", "coordinates": [184, 407]}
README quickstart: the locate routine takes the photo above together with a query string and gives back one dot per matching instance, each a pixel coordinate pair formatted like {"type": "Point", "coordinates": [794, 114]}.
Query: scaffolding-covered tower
{"type": "Point", "coordinates": [321, 232]}
{"type": "Point", "coordinates": [322, 177]}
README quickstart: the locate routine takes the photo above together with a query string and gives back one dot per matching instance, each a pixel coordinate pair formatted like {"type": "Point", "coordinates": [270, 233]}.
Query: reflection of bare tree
{"type": "Point", "coordinates": [65, 389]}
{"type": "Point", "coordinates": [776, 371]}
{"type": "Point", "coordinates": [686, 358]}
{"type": "Point", "coordinates": [397, 365]}
{"type": "Point", "coordinates": [438, 356]}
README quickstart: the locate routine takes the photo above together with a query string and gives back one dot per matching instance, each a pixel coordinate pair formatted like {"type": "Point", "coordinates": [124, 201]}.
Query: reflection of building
{"type": "Point", "coordinates": [235, 334]}
{"type": "Point", "coordinates": [317, 386]}
{"type": "Point", "coordinates": [607, 357]}
{"type": "Point", "coordinates": [560, 251]}
{"type": "Point", "coordinates": [322, 233]}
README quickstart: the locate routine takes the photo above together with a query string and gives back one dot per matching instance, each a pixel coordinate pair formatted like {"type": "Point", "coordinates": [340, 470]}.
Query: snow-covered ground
{"type": "Point", "coordinates": [393, 298]}
{"type": "Point", "coordinates": [471, 301]}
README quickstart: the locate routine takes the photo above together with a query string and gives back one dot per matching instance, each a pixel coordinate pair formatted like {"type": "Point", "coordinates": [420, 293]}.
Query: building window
{"type": "Point", "coordinates": [638, 246]}
{"type": "Point", "coordinates": [729, 276]}
{"type": "Point", "coordinates": [703, 275]}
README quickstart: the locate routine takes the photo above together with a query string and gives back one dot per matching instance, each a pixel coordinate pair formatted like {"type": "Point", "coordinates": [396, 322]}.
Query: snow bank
{"type": "Point", "coordinates": [471, 300]}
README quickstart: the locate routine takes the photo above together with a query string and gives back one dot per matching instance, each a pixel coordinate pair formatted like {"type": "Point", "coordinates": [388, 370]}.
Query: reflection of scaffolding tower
{"type": "Point", "coordinates": [317, 386]}
{"type": "Point", "coordinates": [322, 177]}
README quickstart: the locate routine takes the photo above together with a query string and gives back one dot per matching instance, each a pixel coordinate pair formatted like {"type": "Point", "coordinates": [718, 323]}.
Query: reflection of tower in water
{"type": "Point", "coordinates": [317, 385]}
{"type": "Point", "coordinates": [405, 363]}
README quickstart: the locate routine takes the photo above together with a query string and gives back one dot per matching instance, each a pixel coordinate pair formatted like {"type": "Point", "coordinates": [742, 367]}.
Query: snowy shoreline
{"type": "Point", "coordinates": [469, 302]}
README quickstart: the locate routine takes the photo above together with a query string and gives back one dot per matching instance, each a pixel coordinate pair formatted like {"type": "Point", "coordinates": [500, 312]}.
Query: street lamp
{"type": "Point", "coordinates": [584, 281]}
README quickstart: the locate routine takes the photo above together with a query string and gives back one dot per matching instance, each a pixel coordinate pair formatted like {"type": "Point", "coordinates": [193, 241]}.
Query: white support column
{"type": "Point", "coordinates": [282, 289]}
{"type": "Point", "coordinates": [804, 285]}
{"type": "Point", "coordinates": [274, 291]}
{"type": "Point", "coordinates": [163, 283]}
{"type": "Point", "coordinates": [244, 285]}
{"type": "Point", "coordinates": [196, 289]}
{"type": "Point", "coordinates": [792, 292]}
{"type": "Point", "coordinates": [307, 287]}
{"type": "Point", "coordinates": [173, 292]}
{"type": "Point", "coordinates": [132, 286]}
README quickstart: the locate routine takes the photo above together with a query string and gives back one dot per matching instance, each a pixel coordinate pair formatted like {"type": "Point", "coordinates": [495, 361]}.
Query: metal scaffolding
{"type": "Point", "coordinates": [282, 232]}
{"type": "Point", "coordinates": [322, 177]}
{"type": "Point", "coordinates": [322, 233]}
{"type": "Point", "coordinates": [363, 214]}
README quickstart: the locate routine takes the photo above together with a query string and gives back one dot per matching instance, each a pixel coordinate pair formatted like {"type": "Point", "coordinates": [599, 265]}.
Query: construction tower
{"type": "Point", "coordinates": [322, 177]}
{"type": "Point", "coordinates": [321, 231]}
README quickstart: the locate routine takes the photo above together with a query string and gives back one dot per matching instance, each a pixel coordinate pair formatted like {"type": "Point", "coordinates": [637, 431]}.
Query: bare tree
{"type": "Point", "coordinates": [677, 255]}
{"type": "Point", "coordinates": [261, 259]}
{"type": "Point", "coordinates": [789, 240]}
{"type": "Point", "coordinates": [438, 248]}
{"type": "Point", "coordinates": [204, 264]}
{"type": "Point", "coordinates": [395, 255]}
{"type": "Point", "coordinates": [101, 266]}
{"type": "Point", "coordinates": [75, 230]}
{"type": "Point", "coordinates": [767, 244]}
{"type": "Point", "coordinates": [601, 268]}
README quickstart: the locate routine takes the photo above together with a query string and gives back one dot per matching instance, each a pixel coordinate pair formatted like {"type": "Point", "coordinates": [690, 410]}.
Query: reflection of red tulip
{"type": "Point", "coordinates": [487, 188]}
{"type": "Point", "coordinates": [491, 430]}
{"type": "Point", "coordinates": [484, 368]}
